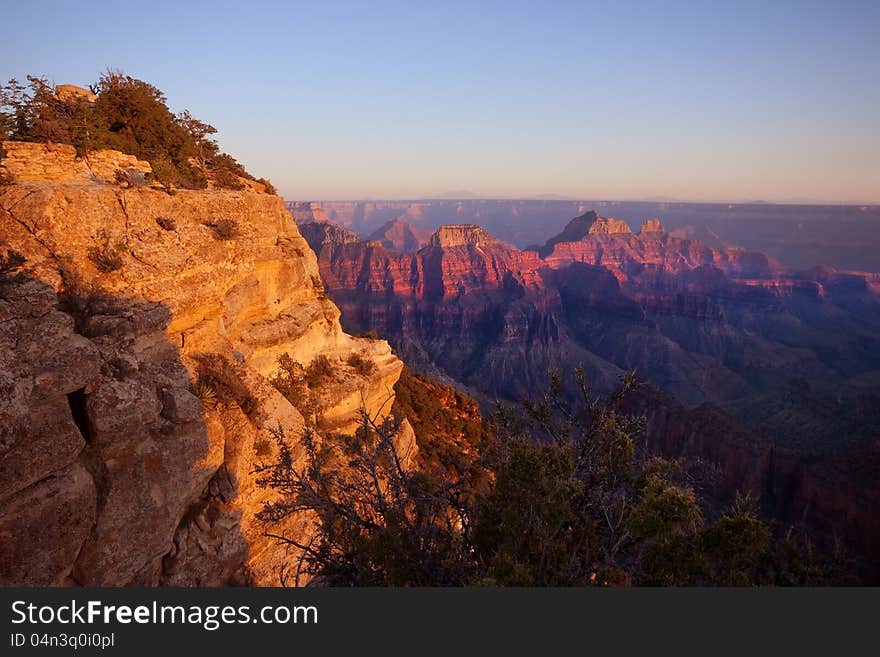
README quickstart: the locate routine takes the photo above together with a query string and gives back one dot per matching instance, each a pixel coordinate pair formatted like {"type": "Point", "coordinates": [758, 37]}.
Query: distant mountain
{"type": "Point", "coordinates": [554, 197]}
{"type": "Point", "coordinates": [455, 194]}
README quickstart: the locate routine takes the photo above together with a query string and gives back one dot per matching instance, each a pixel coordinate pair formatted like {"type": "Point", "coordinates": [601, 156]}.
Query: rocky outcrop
{"type": "Point", "coordinates": [589, 223]}
{"type": "Point", "coordinates": [136, 344]}
{"type": "Point", "coordinates": [26, 161]}
{"type": "Point", "coordinates": [461, 235]}
{"type": "Point", "coordinates": [304, 212]}
{"type": "Point", "coordinates": [652, 226]}
{"type": "Point", "coordinates": [71, 93]}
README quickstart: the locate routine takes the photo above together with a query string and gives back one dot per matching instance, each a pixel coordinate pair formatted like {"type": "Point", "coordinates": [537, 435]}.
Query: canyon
{"type": "Point", "coordinates": [767, 376]}
{"type": "Point", "coordinates": [142, 328]}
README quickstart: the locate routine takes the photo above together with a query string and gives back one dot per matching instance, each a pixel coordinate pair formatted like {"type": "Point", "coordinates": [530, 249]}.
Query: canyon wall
{"type": "Point", "coordinates": [136, 343]}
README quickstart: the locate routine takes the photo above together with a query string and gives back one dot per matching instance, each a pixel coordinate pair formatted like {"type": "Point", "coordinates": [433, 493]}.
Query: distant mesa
{"type": "Point", "coordinates": [651, 226]}
{"type": "Point", "coordinates": [456, 194]}
{"type": "Point", "coordinates": [398, 235]}
{"type": "Point", "coordinates": [453, 235]}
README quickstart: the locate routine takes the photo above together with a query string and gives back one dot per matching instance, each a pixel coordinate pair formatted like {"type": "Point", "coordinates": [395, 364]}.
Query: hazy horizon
{"type": "Point", "coordinates": [581, 199]}
{"type": "Point", "coordinates": [704, 102]}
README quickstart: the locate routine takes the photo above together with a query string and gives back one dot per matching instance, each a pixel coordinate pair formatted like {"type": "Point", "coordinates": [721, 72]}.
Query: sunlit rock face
{"type": "Point", "coordinates": [116, 466]}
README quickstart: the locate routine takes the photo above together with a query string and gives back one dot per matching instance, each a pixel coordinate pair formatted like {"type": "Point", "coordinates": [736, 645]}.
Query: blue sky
{"type": "Point", "coordinates": [698, 101]}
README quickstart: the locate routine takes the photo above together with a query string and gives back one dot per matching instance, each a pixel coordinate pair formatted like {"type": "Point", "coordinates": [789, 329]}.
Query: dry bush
{"type": "Point", "coordinates": [224, 229]}
{"type": "Point", "coordinates": [363, 366]}
{"type": "Point", "coordinates": [166, 223]}
{"type": "Point", "coordinates": [289, 380]}
{"type": "Point", "coordinates": [106, 258]}
{"type": "Point", "coordinates": [216, 372]}
{"type": "Point", "coordinates": [318, 371]}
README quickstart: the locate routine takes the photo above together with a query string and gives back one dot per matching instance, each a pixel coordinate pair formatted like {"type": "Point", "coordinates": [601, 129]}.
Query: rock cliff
{"type": "Point", "coordinates": [136, 342]}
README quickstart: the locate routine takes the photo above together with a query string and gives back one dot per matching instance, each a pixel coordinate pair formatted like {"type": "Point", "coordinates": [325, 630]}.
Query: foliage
{"type": "Point", "coordinates": [166, 223]}
{"type": "Point", "coordinates": [269, 187]}
{"type": "Point", "coordinates": [562, 495]}
{"type": "Point", "coordinates": [379, 523]}
{"type": "Point", "coordinates": [224, 229]}
{"type": "Point", "coordinates": [10, 266]}
{"type": "Point", "coordinates": [318, 371]}
{"type": "Point", "coordinates": [128, 115]}
{"type": "Point", "coordinates": [290, 381]}
{"type": "Point", "coordinates": [95, 313]}
{"type": "Point", "coordinates": [226, 179]}
{"type": "Point", "coordinates": [107, 258]}
{"type": "Point", "coordinates": [363, 366]}
{"type": "Point", "coordinates": [262, 447]}
{"type": "Point", "coordinates": [449, 430]}
{"type": "Point", "coordinates": [217, 374]}
{"type": "Point", "coordinates": [205, 393]}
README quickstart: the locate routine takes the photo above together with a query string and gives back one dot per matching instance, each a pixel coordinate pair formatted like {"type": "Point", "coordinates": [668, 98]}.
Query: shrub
{"type": "Point", "coordinates": [10, 264]}
{"type": "Point", "coordinates": [290, 382]}
{"type": "Point", "coordinates": [262, 447]}
{"type": "Point", "coordinates": [166, 223]}
{"type": "Point", "coordinates": [205, 394]}
{"type": "Point", "coordinates": [218, 374]}
{"type": "Point", "coordinates": [128, 115]}
{"type": "Point", "coordinates": [363, 366]}
{"type": "Point", "coordinates": [318, 371]}
{"type": "Point", "coordinates": [164, 172]}
{"type": "Point", "coordinates": [226, 179]}
{"type": "Point", "coordinates": [270, 188]}
{"type": "Point", "coordinates": [224, 229]}
{"type": "Point", "coordinates": [107, 259]}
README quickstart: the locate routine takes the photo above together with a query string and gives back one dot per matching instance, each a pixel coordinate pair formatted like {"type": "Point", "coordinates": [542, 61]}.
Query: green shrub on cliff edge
{"type": "Point", "coordinates": [128, 115]}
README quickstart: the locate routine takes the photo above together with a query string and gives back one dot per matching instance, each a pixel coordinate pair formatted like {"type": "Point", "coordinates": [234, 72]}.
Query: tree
{"type": "Point", "coordinates": [378, 523]}
{"type": "Point", "coordinates": [199, 131]}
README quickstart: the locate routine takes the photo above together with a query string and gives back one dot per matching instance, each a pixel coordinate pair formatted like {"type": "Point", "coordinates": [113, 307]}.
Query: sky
{"type": "Point", "coordinates": [727, 101]}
